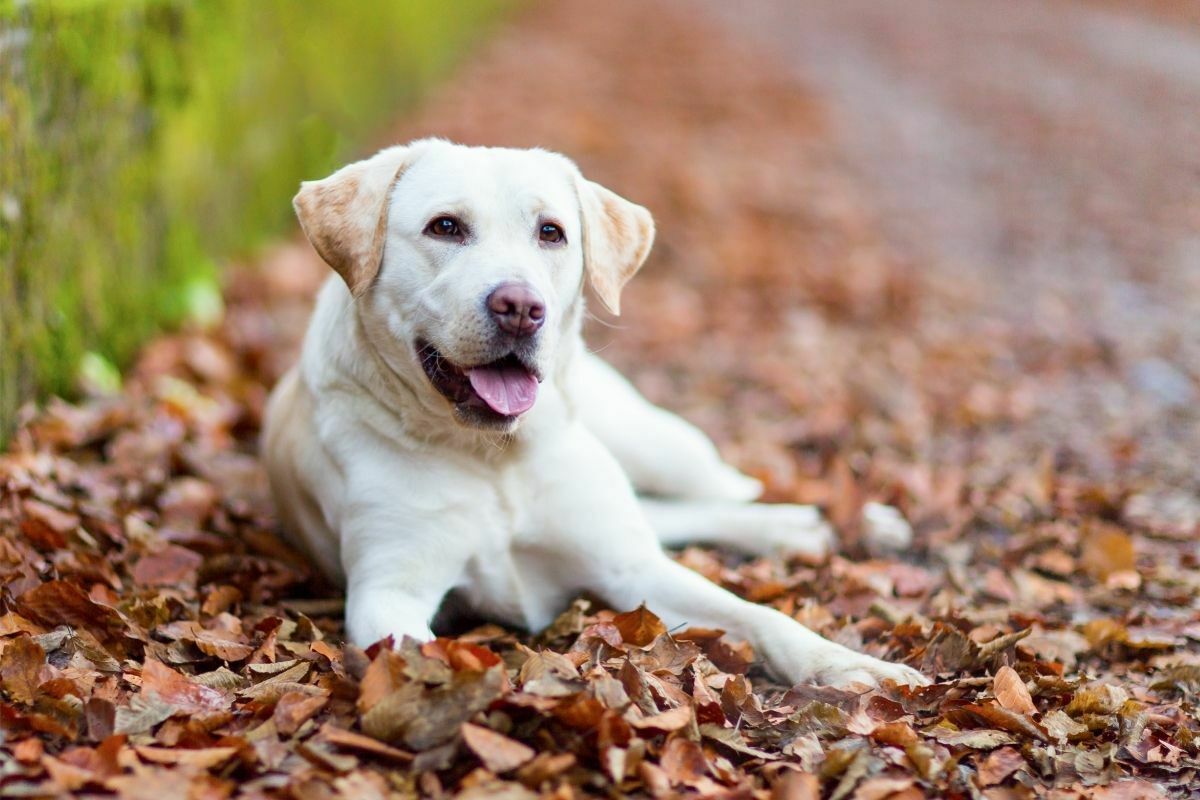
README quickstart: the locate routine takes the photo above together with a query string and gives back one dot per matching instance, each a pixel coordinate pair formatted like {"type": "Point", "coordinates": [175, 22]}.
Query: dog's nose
{"type": "Point", "coordinates": [517, 308]}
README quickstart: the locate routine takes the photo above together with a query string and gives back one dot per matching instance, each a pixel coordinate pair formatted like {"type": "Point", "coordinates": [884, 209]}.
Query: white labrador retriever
{"type": "Point", "coordinates": [446, 429]}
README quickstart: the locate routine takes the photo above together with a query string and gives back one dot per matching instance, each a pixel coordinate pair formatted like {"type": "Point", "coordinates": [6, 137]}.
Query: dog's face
{"type": "Point", "coordinates": [467, 264]}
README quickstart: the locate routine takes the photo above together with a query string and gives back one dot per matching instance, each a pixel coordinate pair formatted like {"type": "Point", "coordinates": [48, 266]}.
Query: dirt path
{"type": "Point", "coordinates": [1041, 159]}
{"type": "Point", "coordinates": [885, 270]}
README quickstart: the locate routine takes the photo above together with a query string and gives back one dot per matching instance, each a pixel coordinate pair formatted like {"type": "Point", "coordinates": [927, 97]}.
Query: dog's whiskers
{"type": "Point", "coordinates": [606, 323]}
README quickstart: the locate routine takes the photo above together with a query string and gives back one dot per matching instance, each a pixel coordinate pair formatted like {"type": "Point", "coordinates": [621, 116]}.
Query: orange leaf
{"type": "Point", "coordinates": [177, 690]}
{"type": "Point", "coordinates": [1010, 691]}
{"type": "Point", "coordinates": [20, 668]}
{"type": "Point", "coordinates": [497, 752]}
{"type": "Point", "coordinates": [639, 627]}
{"type": "Point", "coordinates": [296, 708]}
{"type": "Point", "coordinates": [683, 760]}
{"type": "Point", "coordinates": [1106, 549]}
{"type": "Point", "coordinates": [665, 721]}
{"type": "Point", "coordinates": [999, 765]}
{"type": "Point", "coordinates": [384, 675]}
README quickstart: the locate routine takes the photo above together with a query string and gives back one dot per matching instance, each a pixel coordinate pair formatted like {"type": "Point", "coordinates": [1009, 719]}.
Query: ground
{"type": "Point", "coordinates": [935, 256]}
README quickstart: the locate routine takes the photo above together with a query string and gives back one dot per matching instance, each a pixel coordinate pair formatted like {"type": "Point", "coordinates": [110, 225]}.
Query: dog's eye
{"type": "Point", "coordinates": [551, 233]}
{"type": "Point", "coordinates": [445, 226]}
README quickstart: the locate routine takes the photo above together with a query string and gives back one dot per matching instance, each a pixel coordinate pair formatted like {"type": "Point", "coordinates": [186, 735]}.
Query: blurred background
{"type": "Point", "coordinates": [144, 144]}
{"type": "Point", "coordinates": [939, 254]}
{"type": "Point", "coordinates": [960, 233]}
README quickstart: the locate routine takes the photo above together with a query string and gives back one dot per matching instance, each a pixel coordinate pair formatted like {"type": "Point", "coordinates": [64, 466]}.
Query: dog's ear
{"type": "Point", "coordinates": [617, 236]}
{"type": "Point", "coordinates": [345, 215]}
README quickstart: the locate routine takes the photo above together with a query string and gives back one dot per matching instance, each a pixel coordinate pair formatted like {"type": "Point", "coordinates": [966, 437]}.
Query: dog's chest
{"type": "Point", "coordinates": [501, 577]}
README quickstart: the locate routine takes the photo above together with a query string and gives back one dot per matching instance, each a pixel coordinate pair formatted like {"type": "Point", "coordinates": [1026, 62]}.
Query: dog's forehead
{"type": "Point", "coordinates": [496, 177]}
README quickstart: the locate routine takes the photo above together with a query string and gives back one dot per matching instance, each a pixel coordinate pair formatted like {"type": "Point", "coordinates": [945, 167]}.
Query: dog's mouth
{"type": "Point", "coordinates": [498, 391]}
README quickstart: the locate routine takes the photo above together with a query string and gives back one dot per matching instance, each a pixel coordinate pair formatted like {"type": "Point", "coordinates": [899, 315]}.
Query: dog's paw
{"type": "Point", "coordinates": [793, 530]}
{"type": "Point", "coordinates": [728, 484]}
{"type": "Point", "coordinates": [874, 672]}
{"type": "Point", "coordinates": [844, 667]}
{"type": "Point", "coordinates": [884, 529]}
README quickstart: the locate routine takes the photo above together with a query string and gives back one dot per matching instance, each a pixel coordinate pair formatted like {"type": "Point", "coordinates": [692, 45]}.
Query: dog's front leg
{"type": "Point", "coordinates": [791, 651]}
{"type": "Point", "coordinates": [598, 540]}
{"type": "Point", "coordinates": [399, 564]}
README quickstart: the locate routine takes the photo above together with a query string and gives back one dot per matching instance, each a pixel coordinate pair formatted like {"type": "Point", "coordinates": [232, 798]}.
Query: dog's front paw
{"type": "Point", "coordinates": [728, 484]}
{"type": "Point", "coordinates": [885, 529]}
{"type": "Point", "coordinates": [873, 672]}
{"type": "Point", "coordinates": [794, 530]}
{"type": "Point", "coordinates": [841, 666]}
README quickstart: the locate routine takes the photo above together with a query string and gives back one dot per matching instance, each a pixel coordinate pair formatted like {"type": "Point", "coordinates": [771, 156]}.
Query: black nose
{"type": "Point", "coordinates": [517, 308]}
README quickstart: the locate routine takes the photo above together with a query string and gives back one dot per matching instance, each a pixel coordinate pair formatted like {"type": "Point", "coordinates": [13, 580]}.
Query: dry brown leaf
{"type": "Point", "coordinates": [498, 753]}
{"type": "Point", "coordinates": [461, 655]}
{"type": "Point", "coordinates": [203, 758]}
{"type": "Point", "coordinates": [885, 787]}
{"type": "Point", "coordinates": [546, 766]}
{"type": "Point", "coordinates": [1106, 550]}
{"type": "Point", "coordinates": [180, 693]}
{"type": "Point", "coordinates": [363, 744]}
{"type": "Point", "coordinates": [63, 603]}
{"type": "Point", "coordinates": [999, 764]}
{"type": "Point", "coordinates": [683, 761]}
{"type": "Point", "coordinates": [21, 663]}
{"type": "Point", "coordinates": [424, 718]}
{"type": "Point", "coordinates": [639, 627]}
{"type": "Point", "coordinates": [664, 722]}
{"type": "Point", "coordinates": [793, 785]}
{"type": "Point", "coordinates": [383, 676]}
{"type": "Point", "coordinates": [296, 708]}
{"type": "Point", "coordinates": [169, 566]}
{"type": "Point", "coordinates": [1010, 691]}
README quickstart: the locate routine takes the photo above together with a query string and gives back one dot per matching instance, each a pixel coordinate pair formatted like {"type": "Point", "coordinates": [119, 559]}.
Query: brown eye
{"type": "Point", "coordinates": [551, 233]}
{"type": "Point", "coordinates": [445, 226]}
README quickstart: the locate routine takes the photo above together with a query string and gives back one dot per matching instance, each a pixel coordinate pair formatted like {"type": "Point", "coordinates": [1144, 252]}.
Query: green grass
{"type": "Point", "coordinates": [143, 143]}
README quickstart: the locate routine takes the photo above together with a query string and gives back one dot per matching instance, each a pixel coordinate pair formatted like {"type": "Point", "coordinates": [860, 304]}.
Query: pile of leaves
{"type": "Point", "coordinates": [157, 640]}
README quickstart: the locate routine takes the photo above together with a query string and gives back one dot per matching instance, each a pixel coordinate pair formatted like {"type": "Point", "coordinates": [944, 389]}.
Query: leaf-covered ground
{"type": "Point", "coordinates": [158, 641]}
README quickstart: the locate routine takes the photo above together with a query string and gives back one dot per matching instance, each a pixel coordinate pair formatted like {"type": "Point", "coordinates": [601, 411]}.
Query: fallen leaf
{"type": "Point", "coordinates": [203, 758]}
{"type": "Point", "coordinates": [683, 762]}
{"type": "Point", "coordinates": [1106, 550]}
{"type": "Point", "coordinates": [63, 603]}
{"type": "Point", "coordinates": [974, 739]}
{"type": "Point", "coordinates": [170, 566]}
{"type": "Point", "coordinates": [999, 764]}
{"type": "Point", "coordinates": [664, 722]}
{"type": "Point", "coordinates": [363, 744]}
{"type": "Point", "coordinates": [639, 627]}
{"type": "Point", "coordinates": [294, 709]}
{"type": "Point", "coordinates": [20, 667]}
{"type": "Point", "coordinates": [1010, 691]}
{"type": "Point", "coordinates": [498, 753]}
{"type": "Point", "coordinates": [180, 693]}
{"type": "Point", "coordinates": [424, 718]}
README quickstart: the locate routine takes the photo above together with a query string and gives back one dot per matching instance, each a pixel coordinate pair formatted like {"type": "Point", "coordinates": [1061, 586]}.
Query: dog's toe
{"type": "Point", "coordinates": [885, 529]}
{"type": "Point", "coordinates": [798, 530]}
{"type": "Point", "coordinates": [873, 672]}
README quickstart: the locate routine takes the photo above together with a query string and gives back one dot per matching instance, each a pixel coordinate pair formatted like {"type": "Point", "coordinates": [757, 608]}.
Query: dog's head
{"type": "Point", "coordinates": [468, 262]}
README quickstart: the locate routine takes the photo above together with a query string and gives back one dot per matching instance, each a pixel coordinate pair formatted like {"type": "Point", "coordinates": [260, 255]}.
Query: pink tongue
{"type": "Point", "coordinates": [508, 389]}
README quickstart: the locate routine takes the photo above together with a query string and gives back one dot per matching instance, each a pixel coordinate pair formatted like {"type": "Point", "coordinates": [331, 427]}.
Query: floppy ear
{"type": "Point", "coordinates": [617, 236]}
{"type": "Point", "coordinates": [345, 215]}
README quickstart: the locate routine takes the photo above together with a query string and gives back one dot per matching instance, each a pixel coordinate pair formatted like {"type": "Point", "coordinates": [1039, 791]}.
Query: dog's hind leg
{"type": "Point", "coordinates": [750, 528]}
{"type": "Point", "coordinates": [599, 541]}
{"type": "Point", "coordinates": [661, 453]}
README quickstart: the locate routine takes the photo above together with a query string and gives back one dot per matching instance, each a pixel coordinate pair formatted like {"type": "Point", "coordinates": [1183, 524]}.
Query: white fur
{"type": "Point", "coordinates": [387, 490]}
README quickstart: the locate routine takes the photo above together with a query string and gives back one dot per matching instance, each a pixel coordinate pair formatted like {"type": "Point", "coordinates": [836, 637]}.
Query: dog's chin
{"type": "Point", "coordinates": [484, 419]}
{"type": "Point", "coordinates": [451, 380]}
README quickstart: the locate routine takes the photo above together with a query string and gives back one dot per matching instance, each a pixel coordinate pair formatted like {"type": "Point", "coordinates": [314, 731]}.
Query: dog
{"type": "Point", "coordinates": [447, 430]}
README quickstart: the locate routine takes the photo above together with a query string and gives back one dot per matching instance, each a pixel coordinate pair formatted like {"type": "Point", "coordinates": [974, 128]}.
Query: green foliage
{"type": "Point", "coordinates": [143, 142]}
